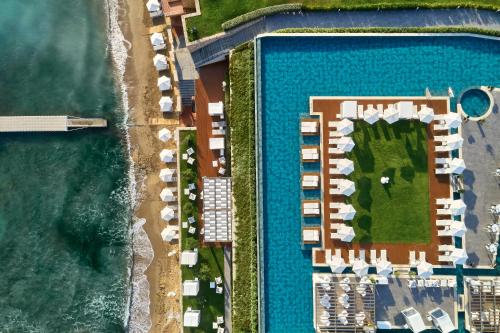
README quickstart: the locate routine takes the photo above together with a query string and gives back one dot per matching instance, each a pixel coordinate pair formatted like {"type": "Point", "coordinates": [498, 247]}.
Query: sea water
{"type": "Point", "coordinates": [65, 198]}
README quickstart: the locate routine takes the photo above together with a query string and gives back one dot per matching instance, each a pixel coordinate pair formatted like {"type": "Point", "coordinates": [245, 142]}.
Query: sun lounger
{"type": "Point", "coordinates": [443, 201]}
{"type": "Point", "coordinates": [440, 127]}
{"type": "Point", "coordinates": [422, 256]}
{"type": "Point", "coordinates": [335, 151]}
{"type": "Point", "coordinates": [334, 171]}
{"type": "Point", "coordinates": [360, 112]}
{"type": "Point", "coordinates": [444, 259]}
{"type": "Point", "coordinates": [332, 124]}
{"type": "Point", "coordinates": [335, 226]}
{"type": "Point", "coordinates": [412, 260]}
{"type": "Point", "coordinates": [311, 211]}
{"type": "Point", "coordinates": [335, 216]}
{"type": "Point", "coordinates": [440, 211]}
{"type": "Point", "coordinates": [311, 204]}
{"type": "Point", "coordinates": [441, 149]}
{"type": "Point", "coordinates": [442, 160]}
{"type": "Point", "coordinates": [373, 257]}
{"type": "Point", "coordinates": [414, 114]}
{"type": "Point", "coordinates": [383, 255]}
{"type": "Point", "coordinates": [351, 256]}
{"type": "Point", "coordinates": [335, 235]}
{"type": "Point", "coordinates": [335, 134]}
{"type": "Point", "coordinates": [442, 171]}
{"type": "Point", "coordinates": [380, 109]}
{"type": "Point", "coordinates": [440, 138]}
{"type": "Point", "coordinates": [445, 248]}
{"type": "Point", "coordinates": [444, 233]}
{"type": "Point", "coordinates": [335, 181]}
{"type": "Point", "coordinates": [443, 223]}
{"type": "Point", "coordinates": [335, 205]}
{"type": "Point", "coordinates": [362, 254]}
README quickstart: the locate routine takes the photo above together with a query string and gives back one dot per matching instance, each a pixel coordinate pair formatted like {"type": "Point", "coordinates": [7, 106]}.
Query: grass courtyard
{"type": "Point", "coordinates": [399, 211]}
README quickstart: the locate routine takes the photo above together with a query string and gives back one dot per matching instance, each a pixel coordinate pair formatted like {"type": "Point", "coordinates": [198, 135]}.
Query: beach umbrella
{"type": "Point", "coordinates": [347, 212]}
{"type": "Point", "coordinates": [166, 104]}
{"type": "Point", "coordinates": [168, 234]}
{"type": "Point", "coordinates": [459, 256]}
{"type": "Point", "coordinates": [157, 39]}
{"type": "Point", "coordinates": [458, 228]}
{"type": "Point", "coordinates": [384, 267]}
{"type": "Point", "coordinates": [164, 134]}
{"type": "Point", "coordinates": [348, 109]}
{"type": "Point", "coordinates": [405, 109]}
{"type": "Point", "coordinates": [167, 155]}
{"type": "Point", "coordinates": [360, 267]}
{"type": "Point", "coordinates": [167, 195]}
{"type": "Point", "coordinates": [424, 269]}
{"type": "Point", "coordinates": [452, 120]}
{"type": "Point", "coordinates": [347, 187]}
{"type": "Point", "coordinates": [167, 213]}
{"type": "Point", "coordinates": [337, 264]}
{"type": "Point", "coordinates": [391, 115]}
{"type": "Point", "coordinates": [343, 299]}
{"type": "Point", "coordinates": [457, 165]}
{"type": "Point", "coordinates": [160, 62]}
{"type": "Point", "coordinates": [345, 143]}
{"type": "Point", "coordinates": [345, 166]}
{"type": "Point", "coordinates": [454, 141]}
{"type": "Point", "coordinates": [153, 5]}
{"type": "Point", "coordinates": [346, 233]}
{"type": "Point", "coordinates": [166, 175]}
{"type": "Point", "coordinates": [325, 303]}
{"type": "Point", "coordinates": [457, 207]}
{"type": "Point", "coordinates": [426, 114]}
{"type": "Point", "coordinates": [371, 116]}
{"type": "Point", "coordinates": [345, 126]}
{"type": "Point", "coordinates": [164, 83]}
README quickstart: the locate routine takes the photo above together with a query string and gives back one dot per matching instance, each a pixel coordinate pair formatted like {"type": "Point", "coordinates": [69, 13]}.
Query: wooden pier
{"type": "Point", "coordinates": [48, 123]}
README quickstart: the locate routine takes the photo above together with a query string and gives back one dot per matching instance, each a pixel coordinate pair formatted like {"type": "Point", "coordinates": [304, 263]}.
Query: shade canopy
{"type": "Point", "coordinates": [360, 267]}
{"type": "Point", "coordinates": [170, 233]}
{"type": "Point", "coordinates": [215, 109]}
{"type": "Point", "coordinates": [167, 195]}
{"type": "Point", "coordinates": [424, 269]}
{"type": "Point", "coordinates": [349, 109]}
{"type": "Point", "coordinates": [457, 166]}
{"type": "Point", "coordinates": [190, 287]}
{"type": "Point", "coordinates": [337, 264]}
{"type": "Point", "coordinates": [164, 83]}
{"type": "Point", "coordinates": [167, 155]}
{"type": "Point", "coordinates": [458, 228]}
{"type": "Point", "coordinates": [166, 104]}
{"type": "Point", "coordinates": [414, 320]}
{"type": "Point", "coordinates": [442, 321]}
{"type": "Point", "coordinates": [391, 115]}
{"type": "Point", "coordinates": [454, 141]}
{"type": "Point", "coordinates": [347, 212]}
{"type": "Point", "coordinates": [191, 318]}
{"type": "Point", "coordinates": [459, 256]}
{"type": "Point", "coordinates": [346, 233]}
{"type": "Point", "coordinates": [157, 39]}
{"type": "Point", "coordinates": [167, 213]}
{"type": "Point", "coordinates": [153, 5]}
{"type": "Point", "coordinates": [426, 114]}
{"type": "Point", "coordinates": [345, 143]}
{"type": "Point", "coordinates": [384, 267]}
{"type": "Point", "coordinates": [345, 126]}
{"type": "Point", "coordinates": [347, 187]}
{"type": "Point", "coordinates": [405, 109]}
{"type": "Point", "coordinates": [345, 166]}
{"type": "Point", "coordinates": [160, 62]}
{"type": "Point", "coordinates": [166, 175]}
{"type": "Point", "coordinates": [452, 120]}
{"type": "Point", "coordinates": [189, 257]}
{"type": "Point", "coordinates": [371, 116]}
{"type": "Point", "coordinates": [164, 134]}
{"type": "Point", "coordinates": [457, 207]}
{"type": "Point", "coordinates": [216, 143]}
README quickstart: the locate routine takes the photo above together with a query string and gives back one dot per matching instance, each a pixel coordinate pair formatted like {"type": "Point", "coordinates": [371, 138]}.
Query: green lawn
{"type": "Point", "coordinates": [216, 12]}
{"type": "Point", "coordinates": [210, 260]}
{"type": "Point", "coordinates": [397, 212]}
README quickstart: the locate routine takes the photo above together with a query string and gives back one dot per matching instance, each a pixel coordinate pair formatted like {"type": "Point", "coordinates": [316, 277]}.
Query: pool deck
{"type": "Point", "coordinates": [439, 185]}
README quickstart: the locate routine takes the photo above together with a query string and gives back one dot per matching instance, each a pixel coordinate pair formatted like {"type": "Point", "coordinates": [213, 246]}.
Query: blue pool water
{"type": "Point", "coordinates": [475, 102]}
{"type": "Point", "coordinates": [294, 68]}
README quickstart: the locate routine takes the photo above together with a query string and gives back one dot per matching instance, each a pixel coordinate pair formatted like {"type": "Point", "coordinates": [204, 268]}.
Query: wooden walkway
{"type": "Point", "coordinates": [48, 123]}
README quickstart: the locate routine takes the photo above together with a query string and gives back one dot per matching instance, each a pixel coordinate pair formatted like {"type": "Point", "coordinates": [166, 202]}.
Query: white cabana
{"type": "Point", "coordinates": [426, 114]}
{"type": "Point", "coordinates": [405, 109]}
{"type": "Point", "coordinates": [384, 267]}
{"type": "Point", "coordinates": [190, 287]}
{"type": "Point", "coordinates": [346, 233]}
{"type": "Point", "coordinates": [191, 318]}
{"type": "Point", "coordinates": [345, 143]}
{"type": "Point", "coordinates": [457, 207]}
{"type": "Point", "coordinates": [424, 269]}
{"type": "Point", "coordinates": [167, 213]}
{"type": "Point", "coordinates": [349, 109]}
{"type": "Point", "coordinates": [157, 39]}
{"type": "Point", "coordinates": [166, 104]}
{"type": "Point", "coordinates": [454, 141]}
{"type": "Point", "coordinates": [391, 115]}
{"type": "Point", "coordinates": [347, 212]}
{"type": "Point", "coordinates": [457, 166]}
{"type": "Point", "coordinates": [164, 83]}
{"type": "Point", "coordinates": [216, 143]}
{"type": "Point", "coordinates": [345, 166]}
{"type": "Point", "coordinates": [167, 195]}
{"type": "Point", "coordinates": [347, 187]}
{"type": "Point", "coordinates": [459, 256]}
{"type": "Point", "coordinates": [215, 109]}
{"type": "Point", "coordinates": [452, 120]}
{"type": "Point", "coordinates": [337, 264]}
{"type": "Point", "coordinates": [458, 228]}
{"type": "Point", "coordinates": [166, 175]}
{"type": "Point", "coordinates": [414, 320]}
{"type": "Point", "coordinates": [160, 62]}
{"type": "Point", "coordinates": [189, 258]}
{"type": "Point", "coordinates": [153, 5]}
{"type": "Point", "coordinates": [371, 115]}
{"type": "Point", "coordinates": [170, 233]}
{"type": "Point", "coordinates": [345, 127]}
{"type": "Point", "coordinates": [164, 134]}
{"type": "Point", "coordinates": [360, 267]}
{"type": "Point", "coordinates": [442, 321]}
{"type": "Point", "coordinates": [167, 155]}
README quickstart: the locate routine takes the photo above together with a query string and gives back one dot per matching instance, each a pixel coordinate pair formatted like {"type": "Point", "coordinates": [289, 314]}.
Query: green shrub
{"type": "Point", "coordinates": [266, 11]}
{"type": "Point", "coordinates": [205, 272]}
{"type": "Point", "coordinates": [188, 209]}
{"type": "Point", "coordinates": [388, 5]}
{"type": "Point", "coordinates": [191, 242]}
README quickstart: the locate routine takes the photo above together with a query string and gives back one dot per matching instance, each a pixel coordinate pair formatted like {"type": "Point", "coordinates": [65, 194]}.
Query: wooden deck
{"type": "Point", "coordinates": [439, 185]}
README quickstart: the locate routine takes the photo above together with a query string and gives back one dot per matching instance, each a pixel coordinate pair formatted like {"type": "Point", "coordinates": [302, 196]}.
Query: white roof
{"type": "Point", "coordinates": [348, 109]}
{"type": "Point", "coordinates": [167, 213]}
{"type": "Point", "coordinates": [166, 174]}
{"type": "Point", "coordinates": [371, 115]}
{"type": "Point", "coordinates": [457, 165]}
{"type": "Point", "coordinates": [405, 109]}
{"type": "Point", "coordinates": [167, 195]}
{"type": "Point", "coordinates": [459, 256]}
{"type": "Point", "coordinates": [190, 287]}
{"type": "Point", "coordinates": [453, 120]}
{"type": "Point", "coordinates": [454, 141]}
{"type": "Point", "coordinates": [167, 155]}
{"type": "Point", "coordinates": [337, 265]}
{"type": "Point", "coordinates": [414, 320]}
{"type": "Point", "coordinates": [360, 267]}
{"type": "Point", "coordinates": [347, 211]}
{"type": "Point", "coordinates": [160, 62]}
{"type": "Point", "coordinates": [457, 207]}
{"type": "Point", "coordinates": [192, 318]}
{"type": "Point", "coordinates": [424, 269]}
{"type": "Point", "coordinates": [164, 83]}
{"type": "Point", "coordinates": [345, 143]}
{"type": "Point", "coordinates": [166, 104]}
{"type": "Point", "coordinates": [426, 114]}
{"type": "Point", "coordinates": [189, 257]}
{"type": "Point", "coordinates": [345, 126]}
{"type": "Point", "coordinates": [157, 39]}
{"type": "Point", "coordinates": [216, 143]}
{"type": "Point", "coordinates": [164, 134]}
{"type": "Point", "coordinates": [153, 5]}
{"type": "Point", "coordinates": [215, 109]}
{"type": "Point", "coordinates": [391, 115]}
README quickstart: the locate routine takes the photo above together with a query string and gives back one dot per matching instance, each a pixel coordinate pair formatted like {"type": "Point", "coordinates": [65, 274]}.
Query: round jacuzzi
{"type": "Point", "coordinates": [476, 103]}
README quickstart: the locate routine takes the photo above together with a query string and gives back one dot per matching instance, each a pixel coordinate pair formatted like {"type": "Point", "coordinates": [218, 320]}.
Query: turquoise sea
{"type": "Point", "coordinates": [64, 198]}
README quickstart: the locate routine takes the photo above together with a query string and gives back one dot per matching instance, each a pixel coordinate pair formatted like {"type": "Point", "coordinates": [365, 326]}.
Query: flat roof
{"type": "Point", "coordinates": [217, 209]}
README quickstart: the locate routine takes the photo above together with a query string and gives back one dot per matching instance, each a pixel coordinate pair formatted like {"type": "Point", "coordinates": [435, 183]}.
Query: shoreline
{"type": "Point", "coordinates": [154, 273]}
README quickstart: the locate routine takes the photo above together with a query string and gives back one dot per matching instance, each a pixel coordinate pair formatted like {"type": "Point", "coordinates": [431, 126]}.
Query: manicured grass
{"type": "Point", "coordinates": [397, 212]}
{"type": "Point", "coordinates": [210, 260]}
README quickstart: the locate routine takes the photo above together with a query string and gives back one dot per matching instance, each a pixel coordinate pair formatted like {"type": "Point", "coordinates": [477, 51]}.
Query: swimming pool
{"type": "Point", "coordinates": [294, 68]}
{"type": "Point", "coordinates": [475, 102]}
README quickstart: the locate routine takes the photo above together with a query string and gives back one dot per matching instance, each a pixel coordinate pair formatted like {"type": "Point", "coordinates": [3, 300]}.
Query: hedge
{"type": "Point", "coordinates": [241, 122]}
{"type": "Point", "coordinates": [266, 11]}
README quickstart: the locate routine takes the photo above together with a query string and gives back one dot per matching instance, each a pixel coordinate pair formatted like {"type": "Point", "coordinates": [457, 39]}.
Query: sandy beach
{"type": "Point", "coordinates": [163, 273]}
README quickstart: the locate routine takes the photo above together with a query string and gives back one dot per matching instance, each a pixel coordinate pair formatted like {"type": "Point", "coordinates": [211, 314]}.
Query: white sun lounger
{"type": "Point", "coordinates": [422, 256]}
{"type": "Point", "coordinates": [444, 233]}
{"type": "Point", "coordinates": [335, 151]}
{"type": "Point", "coordinates": [360, 112]}
{"type": "Point", "coordinates": [443, 171]}
{"type": "Point", "coordinates": [335, 134]}
{"type": "Point", "coordinates": [335, 235]}
{"type": "Point", "coordinates": [383, 255]}
{"type": "Point", "coordinates": [443, 201]}
{"type": "Point", "coordinates": [443, 223]}
{"type": "Point", "coordinates": [362, 254]}
{"type": "Point", "coordinates": [335, 216]}
{"type": "Point", "coordinates": [440, 127]}
{"type": "Point", "coordinates": [373, 257]}
{"type": "Point", "coordinates": [335, 181]}
{"type": "Point", "coordinates": [446, 248]}
{"type": "Point", "coordinates": [380, 109]}
{"type": "Point", "coordinates": [332, 124]}
{"type": "Point", "coordinates": [412, 259]}
{"type": "Point", "coordinates": [441, 211]}
{"type": "Point", "coordinates": [440, 138]}
{"type": "Point", "coordinates": [414, 115]}
{"type": "Point", "coordinates": [444, 259]}
{"type": "Point", "coordinates": [351, 256]}
{"type": "Point", "coordinates": [335, 205]}
{"type": "Point", "coordinates": [442, 160]}
{"type": "Point", "coordinates": [311, 211]}
{"type": "Point", "coordinates": [442, 148]}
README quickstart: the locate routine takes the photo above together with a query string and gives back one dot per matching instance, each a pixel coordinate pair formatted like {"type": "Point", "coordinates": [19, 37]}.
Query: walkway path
{"type": "Point", "coordinates": [228, 280]}
{"type": "Point", "coordinates": [218, 46]}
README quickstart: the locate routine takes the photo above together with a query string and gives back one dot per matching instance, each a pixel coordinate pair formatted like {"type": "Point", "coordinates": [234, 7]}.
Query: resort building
{"type": "Point", "coordinates": [217, 209]}
{"type": "Point", "coordinates": [482, 301]}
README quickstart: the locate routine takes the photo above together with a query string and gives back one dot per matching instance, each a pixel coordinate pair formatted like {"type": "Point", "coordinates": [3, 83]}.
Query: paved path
{"type": "Point", "coordinates": [481, 152]}
{"type": "Point", "coordinates": [228, 264]}
{"type": "Point", "coordinates": [207, 51]}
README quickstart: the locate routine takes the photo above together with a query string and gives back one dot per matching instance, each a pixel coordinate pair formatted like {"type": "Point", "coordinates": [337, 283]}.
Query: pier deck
{"type": "Point", "coordinates": [48, 123]}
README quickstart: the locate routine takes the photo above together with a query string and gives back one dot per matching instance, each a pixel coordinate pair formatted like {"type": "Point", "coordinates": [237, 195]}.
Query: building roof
{"type": "Point", "coordinates": [189, 258]}
{"type": "Point", "coordinates": [217, 209]}
{"type": "Point", "coordinates": [190, 287]}
{"type": "Point", "coordinates": [191, 318]}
